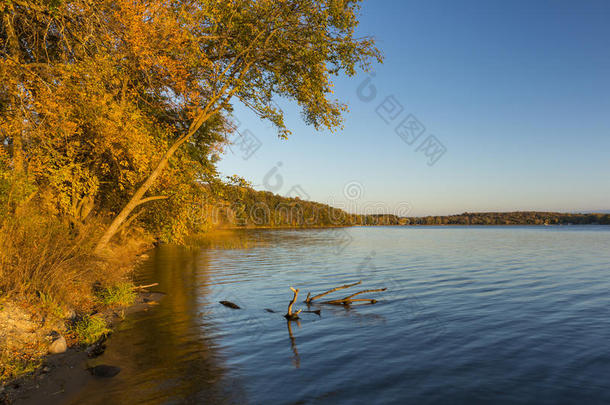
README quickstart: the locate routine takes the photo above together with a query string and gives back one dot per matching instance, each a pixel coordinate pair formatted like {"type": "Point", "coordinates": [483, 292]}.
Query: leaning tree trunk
{"type": "Point", "coordinates": [138, 197]}
{"type": "Point", "coordinates": [222, 96]}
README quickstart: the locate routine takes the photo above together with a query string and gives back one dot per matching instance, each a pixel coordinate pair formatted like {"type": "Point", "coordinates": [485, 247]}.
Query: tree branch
{"type": "Point", "coordinates": [147, 199]}
{"type": "Point", "coordinates": [347, 300]}
{"type": "Point", "coordinates": [308, 300]}
{"type": "Point", "coordinates": [290, 315]}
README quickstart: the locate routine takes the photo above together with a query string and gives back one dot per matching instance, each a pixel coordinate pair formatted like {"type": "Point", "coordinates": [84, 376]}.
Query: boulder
{"type": "Point", "coordinates": [59, 345]}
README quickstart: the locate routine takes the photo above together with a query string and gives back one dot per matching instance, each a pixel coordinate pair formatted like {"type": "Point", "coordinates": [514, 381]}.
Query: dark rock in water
{"type": "Point", "coordinates": [230, 304]}
{"type": "Point", "coordinates": [104, 370]}
{"type": "Point", "coordinates": [270, 310]}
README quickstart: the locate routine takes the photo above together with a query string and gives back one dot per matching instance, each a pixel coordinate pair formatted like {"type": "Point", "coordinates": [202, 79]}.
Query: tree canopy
{"type": "Point", "coordinates": [108, 106]}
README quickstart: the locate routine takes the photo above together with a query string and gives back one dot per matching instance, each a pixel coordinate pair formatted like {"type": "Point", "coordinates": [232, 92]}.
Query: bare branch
{"type": "Point", "coordinates": [140, 287]}
{"type": "Point", "coordinates": [308, 300]}
{"type": "Point", "coordinates": [290, 315]}
{"type": "Point", "coordinates": [347, 300]}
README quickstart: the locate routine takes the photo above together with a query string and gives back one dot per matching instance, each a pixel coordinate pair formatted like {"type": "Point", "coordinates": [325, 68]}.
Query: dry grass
{"type": "Point", "coordinates": [22, 340]}
{"type": "Point", "coordinates": [14, 365]}
{"type": "Point", "coordinates": [44, 258]}
{"type": "Point", "coordinates": [48, 266]}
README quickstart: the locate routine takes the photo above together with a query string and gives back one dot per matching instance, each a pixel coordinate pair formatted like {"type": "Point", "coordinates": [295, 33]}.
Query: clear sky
{"type": "Point", "coordinates": [517, 93]}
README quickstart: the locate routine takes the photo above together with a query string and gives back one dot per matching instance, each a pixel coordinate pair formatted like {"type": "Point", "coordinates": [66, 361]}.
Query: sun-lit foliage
{"type": "Point", "coordinates": [108, 107]}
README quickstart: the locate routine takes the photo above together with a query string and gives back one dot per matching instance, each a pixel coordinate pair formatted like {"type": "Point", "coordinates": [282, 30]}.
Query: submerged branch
{"type": "Point", "coordinates": [308, 299]}
{"type": "Point", "coordinates": [349, 299]}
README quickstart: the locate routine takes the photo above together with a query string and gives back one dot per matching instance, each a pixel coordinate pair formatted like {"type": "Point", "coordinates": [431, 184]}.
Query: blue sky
{"type": "Point", "coordinates": [517, 93]}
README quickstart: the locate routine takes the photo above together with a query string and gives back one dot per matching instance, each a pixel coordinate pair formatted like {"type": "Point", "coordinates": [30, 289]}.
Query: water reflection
{"type": "Point", "coordinates": [353, 311]}
{"type": "Point", "coordinates": [296, 360]}
{"type": "Point", "coordinates": [167, 353]}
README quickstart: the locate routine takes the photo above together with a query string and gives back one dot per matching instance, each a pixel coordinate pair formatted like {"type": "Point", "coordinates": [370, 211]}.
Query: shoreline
{"type": "Point", "coordinates": [42, 338]}
{"type": "Point", "coordinates": [250, 228]}
{"type": "Point", "coordinates": [60, 376]}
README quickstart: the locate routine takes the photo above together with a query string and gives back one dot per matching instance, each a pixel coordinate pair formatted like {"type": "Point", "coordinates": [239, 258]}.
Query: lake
{"type": "Point", "coordinates": [471, 314]}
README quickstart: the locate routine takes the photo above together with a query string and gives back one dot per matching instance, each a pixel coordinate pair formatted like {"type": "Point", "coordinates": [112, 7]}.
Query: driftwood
{"type": "Point", "coordinates": [290, 315]}
{"type": "Point", "coordinates": [317, 311]}
{"type": "Point", "coordinates": [293, 315]}
{"type": "Point", "coordinates": [348, 300]}
{"type": "Point", "coordinates": [140, 287]}
{"type": "Point", "coordinates": [315, 297]}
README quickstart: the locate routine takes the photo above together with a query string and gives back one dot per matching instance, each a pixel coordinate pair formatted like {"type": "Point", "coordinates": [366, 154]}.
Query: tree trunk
{"type": "Point", "coordinates": [206, 113]}
{"type": "Point", "coordinates": [137, 198]}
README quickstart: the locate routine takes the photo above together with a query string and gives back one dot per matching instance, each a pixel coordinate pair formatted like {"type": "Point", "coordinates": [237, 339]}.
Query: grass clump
{"type": "Point", "coordinates": [90, 329]}
{"type": "Point", "coordinates": [15, 365]}
{"type": "Point", "coordinates": [51, 307]}
{"type": "Point", "coordinates": [121, 294]}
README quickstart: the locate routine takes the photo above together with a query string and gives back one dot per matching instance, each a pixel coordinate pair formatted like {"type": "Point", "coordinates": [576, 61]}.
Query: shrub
{"type": "Point", "coordinates": [121, 294]}
{"type": "Point", "coordinates": [90, 329]}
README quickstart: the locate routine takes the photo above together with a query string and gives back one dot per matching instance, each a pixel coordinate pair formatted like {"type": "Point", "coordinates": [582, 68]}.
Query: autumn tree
{"type": "Point", "coordinates": [209, 53]}
{"type": "Point", "coordinates": [118, 103]}
{"type": "Point", "coordinates": [84, 118]}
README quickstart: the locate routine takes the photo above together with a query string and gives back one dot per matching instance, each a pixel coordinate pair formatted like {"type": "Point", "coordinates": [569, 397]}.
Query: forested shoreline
{"type": "Point", "coordinates": [513, 218]}
{"type": "Point", "coordinates": [240, 206]}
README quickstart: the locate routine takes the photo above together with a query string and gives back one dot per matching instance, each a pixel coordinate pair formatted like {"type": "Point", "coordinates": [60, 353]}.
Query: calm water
{"type": "Point", "coordinates": [472, 314]}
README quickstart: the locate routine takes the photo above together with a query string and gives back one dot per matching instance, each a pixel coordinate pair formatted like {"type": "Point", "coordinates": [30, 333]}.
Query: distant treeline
{"type": "Point", "coordinates": [242, 206]}
{"type": "Point", "coordinates": [512, 218]}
